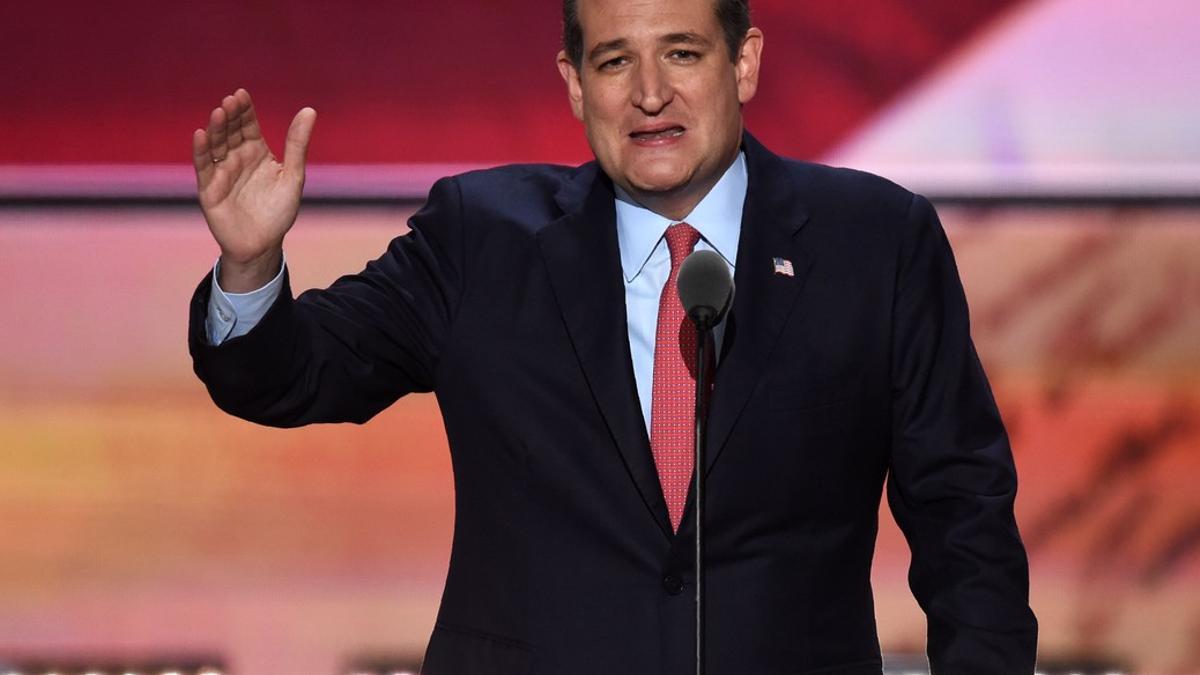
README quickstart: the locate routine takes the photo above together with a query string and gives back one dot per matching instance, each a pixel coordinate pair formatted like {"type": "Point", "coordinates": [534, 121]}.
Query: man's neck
{"type": "Point", "coordinates": [670, 205]}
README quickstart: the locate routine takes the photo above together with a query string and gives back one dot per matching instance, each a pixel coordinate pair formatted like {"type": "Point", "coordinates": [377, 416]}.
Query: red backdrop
{"type": "Point", "coordinates": [469, 81]}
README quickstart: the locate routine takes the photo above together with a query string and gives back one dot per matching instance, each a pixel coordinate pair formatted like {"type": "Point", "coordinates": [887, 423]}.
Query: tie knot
{"type": "Point", "coordinates": [681, 239]}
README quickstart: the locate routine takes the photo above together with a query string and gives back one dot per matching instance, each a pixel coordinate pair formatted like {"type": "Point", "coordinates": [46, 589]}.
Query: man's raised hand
{"type": "Point", "coordinates": [249, 199]}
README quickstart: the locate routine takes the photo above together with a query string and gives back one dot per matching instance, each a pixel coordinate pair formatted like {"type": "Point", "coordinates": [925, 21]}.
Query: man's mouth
{"type": "Point", "coordinates": [657, 134]}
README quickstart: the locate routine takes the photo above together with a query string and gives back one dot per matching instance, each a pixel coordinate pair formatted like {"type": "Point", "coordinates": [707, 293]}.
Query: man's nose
{"type": "Point", "coordinates": [652, 89]}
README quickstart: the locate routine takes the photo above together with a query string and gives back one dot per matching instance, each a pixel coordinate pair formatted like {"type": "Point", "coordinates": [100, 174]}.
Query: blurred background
{"type": "Point", "coordinates": [142, 530]}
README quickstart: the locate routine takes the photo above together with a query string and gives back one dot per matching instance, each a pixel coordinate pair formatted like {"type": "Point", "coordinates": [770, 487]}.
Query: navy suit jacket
{"type": "Point", "coordinates": [506, 299]}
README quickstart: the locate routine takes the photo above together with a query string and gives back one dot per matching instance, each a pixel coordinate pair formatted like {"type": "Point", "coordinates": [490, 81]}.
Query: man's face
{"type": "Point", "coordinates": [659, 97]}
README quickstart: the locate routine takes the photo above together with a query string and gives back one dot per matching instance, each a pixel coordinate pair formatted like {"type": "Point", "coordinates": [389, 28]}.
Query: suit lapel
{"type": "Point", "coordinates": [581, 253]}
{"type": "Point", "coordinates": [771, 219]}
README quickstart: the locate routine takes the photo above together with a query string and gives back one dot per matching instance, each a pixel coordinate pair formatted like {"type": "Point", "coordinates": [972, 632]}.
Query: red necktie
{"type": "Point", "coordinates": [673, 403]}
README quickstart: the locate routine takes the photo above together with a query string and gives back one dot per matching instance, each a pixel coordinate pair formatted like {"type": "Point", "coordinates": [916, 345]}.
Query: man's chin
{"type": "Point", "coordinates": [660, 184]}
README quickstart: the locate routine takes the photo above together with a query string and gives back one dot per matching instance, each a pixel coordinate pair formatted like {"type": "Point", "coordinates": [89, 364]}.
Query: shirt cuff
{"type": "Point", "coordinates": [232, 315]}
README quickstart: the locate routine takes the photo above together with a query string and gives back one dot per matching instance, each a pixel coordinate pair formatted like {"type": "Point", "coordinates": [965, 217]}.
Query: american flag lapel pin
{"type": "Point", "coordinates": [783, 267]}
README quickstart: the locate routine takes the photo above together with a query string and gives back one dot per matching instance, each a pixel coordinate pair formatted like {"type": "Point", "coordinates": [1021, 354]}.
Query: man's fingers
{"type": "Point", "coordinates": [233, 128]}
{"type": "Point", "coordinates": [202, 157]}
{"type": "Point", "coordinates": [298, 136]}
{"type": "Point", "coordinates": [250, 128]}
{"type": "Point", "coordinates": [216, 133]}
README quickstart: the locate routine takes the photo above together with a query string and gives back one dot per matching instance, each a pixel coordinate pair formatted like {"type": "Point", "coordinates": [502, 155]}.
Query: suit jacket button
{"type": "Point", "coordinates": [673, 584]}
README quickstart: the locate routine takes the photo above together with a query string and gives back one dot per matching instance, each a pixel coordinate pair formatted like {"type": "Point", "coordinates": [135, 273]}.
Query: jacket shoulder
{"type": "Point", "coordinates": [849, 192]}
{"type": "Point", "coordinates": [514, 189]}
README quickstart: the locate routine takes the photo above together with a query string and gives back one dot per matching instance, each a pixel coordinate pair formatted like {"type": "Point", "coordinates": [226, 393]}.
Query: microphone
{"type": "Point", "coordinates": [705, 288]}
{"type": "Point", "coordinates": [706, 291]}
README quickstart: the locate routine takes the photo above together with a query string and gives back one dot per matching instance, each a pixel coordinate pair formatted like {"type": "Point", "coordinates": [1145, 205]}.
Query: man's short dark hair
{"type": "Point", "coordinates": [733, 15]}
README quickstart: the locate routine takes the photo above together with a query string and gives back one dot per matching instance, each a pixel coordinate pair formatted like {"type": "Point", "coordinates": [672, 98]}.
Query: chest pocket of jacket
{"type": "Point", "coordinates": [808, 416]}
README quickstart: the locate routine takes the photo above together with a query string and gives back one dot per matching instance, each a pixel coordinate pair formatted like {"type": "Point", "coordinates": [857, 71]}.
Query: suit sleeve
{"type": "Point", "coordinates": [345, 353]}
{"type": "Point", "coordinates": [952, 481]}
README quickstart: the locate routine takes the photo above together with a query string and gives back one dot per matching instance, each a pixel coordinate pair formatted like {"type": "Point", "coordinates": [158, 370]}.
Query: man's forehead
{"type": "Point", "coordinates": [609, 20]}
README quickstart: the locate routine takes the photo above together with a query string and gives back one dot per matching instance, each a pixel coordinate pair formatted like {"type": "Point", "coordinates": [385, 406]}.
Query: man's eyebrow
{"type": "Point", "coordinates": [685, 38]}
{"type": "Point", "coordinates": [688, 38]}
{"type": "Point", "coordinates": [610, 46]}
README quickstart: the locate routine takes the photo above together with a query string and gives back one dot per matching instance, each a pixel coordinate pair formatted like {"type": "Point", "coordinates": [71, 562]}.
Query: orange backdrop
{"type": "Point", "coordinates": [139, 519]}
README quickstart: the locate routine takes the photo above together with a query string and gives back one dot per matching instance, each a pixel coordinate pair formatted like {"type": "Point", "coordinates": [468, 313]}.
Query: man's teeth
{"type": "Point", "coordinates": [665, 133]}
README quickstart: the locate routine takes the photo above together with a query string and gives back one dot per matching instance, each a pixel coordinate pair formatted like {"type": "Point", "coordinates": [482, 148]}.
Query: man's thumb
{"type": "Point", "coordinates": [296, 148]}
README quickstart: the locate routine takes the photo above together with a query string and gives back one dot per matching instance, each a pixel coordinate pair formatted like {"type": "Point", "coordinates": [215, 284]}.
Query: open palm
{"type": "Point", "coordinates": [249, 199]}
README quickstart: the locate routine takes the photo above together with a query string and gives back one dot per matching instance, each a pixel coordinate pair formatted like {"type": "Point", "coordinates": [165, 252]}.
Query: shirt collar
{"type": "Point", "coordinates": [718, 218]}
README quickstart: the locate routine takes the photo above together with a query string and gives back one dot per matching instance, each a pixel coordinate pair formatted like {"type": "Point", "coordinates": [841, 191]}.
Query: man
{"type": "Point", "coordinates": [538, 303]}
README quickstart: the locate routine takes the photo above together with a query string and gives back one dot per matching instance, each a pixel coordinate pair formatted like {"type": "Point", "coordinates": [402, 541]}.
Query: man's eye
{"type": "Point", "coordinates": [684, 55]}
{"type": "Point", "coordinates": [613, 63]}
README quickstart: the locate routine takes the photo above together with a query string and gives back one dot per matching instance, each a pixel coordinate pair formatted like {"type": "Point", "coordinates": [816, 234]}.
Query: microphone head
{"type": "Point", "coordinates": [705, 288]}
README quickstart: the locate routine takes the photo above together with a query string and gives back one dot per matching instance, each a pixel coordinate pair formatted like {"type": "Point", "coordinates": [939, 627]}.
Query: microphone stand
{"type": "Point", "coordinates": [706, 291]}
{"type": "Point", "coordinates": [703, 320]}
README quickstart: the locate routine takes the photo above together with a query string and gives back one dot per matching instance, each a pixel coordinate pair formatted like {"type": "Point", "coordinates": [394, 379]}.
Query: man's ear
{"type": "Point", "coordinates": [570, 75]}
{"type": "Point", "coordinates": [748, 62]}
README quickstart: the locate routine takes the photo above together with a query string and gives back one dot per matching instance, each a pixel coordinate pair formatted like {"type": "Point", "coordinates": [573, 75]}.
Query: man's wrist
{"type": "Point", "coordinates": [245, 277]}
